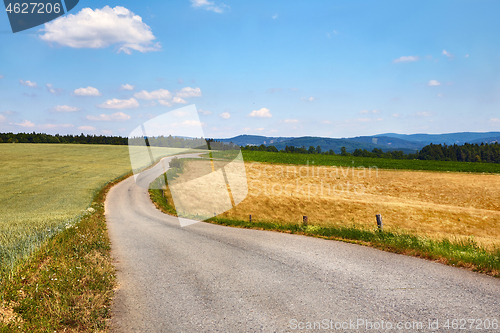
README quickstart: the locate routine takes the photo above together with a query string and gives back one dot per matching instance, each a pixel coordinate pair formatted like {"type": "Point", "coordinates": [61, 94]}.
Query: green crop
{"type": "Point", "coordinates": [46, 188]}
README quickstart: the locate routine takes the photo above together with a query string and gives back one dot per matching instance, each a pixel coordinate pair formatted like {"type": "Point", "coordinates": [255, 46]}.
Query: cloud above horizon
{"type": "Point", "coordinates": [28, 124]}
{"type": "Point", "coordinates": [28, 83]}
{"type": "Point", "coordinates": [89, 91]}
{"type": "Point", "coordinates": [406, 59]}
{"type": "Point", "coordinates": [126, 87]}
{"type": "Point", "coordinates": [52, 90]}
{"type": "Point", "coordinates": [189, 92]}
{"type": "Point", "coordinates": [210, 6]}
{"type": "Point", "coordinates": [448, 54]}
{"type": "Point", "coordinates": [118, 116]}
{"type": "Point", "coordinates": [119, 104]}
{"type": "Point", "coordinates": [101, 28]}
{"type": "Point", "coordinates": [262, 113]}
{"type": "Point", "coordinates": [156, 94]}
{"type": "Point", "coordinates": [65, 108]}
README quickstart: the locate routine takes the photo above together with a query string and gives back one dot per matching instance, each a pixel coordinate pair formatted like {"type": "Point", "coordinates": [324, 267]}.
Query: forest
{"type": "Point", "coordinates": [484, 152]}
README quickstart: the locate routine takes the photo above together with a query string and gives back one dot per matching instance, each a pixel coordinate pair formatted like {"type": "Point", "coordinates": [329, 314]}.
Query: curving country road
{"type": "Point", "coordinates": [211, 278]}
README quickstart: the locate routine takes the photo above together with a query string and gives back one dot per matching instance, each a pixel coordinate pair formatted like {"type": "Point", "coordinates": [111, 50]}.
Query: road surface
{"type": "Point", "coordinates": [211, 278]}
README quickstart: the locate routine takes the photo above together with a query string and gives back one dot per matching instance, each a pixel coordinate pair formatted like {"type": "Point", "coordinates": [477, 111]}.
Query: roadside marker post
{"type": "Point", "coordinates": [380, 225]}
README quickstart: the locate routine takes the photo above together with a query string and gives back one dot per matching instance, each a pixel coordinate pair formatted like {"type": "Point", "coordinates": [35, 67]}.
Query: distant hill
{"type": "Point", "coordinates": [449, 138]}
{"type": "Point", "coordinates": [488, 140]}
{"type": "Point", "coordinates": [408, 143]}
{"type": "Point", "coordinates": [254, 140]}
{"type": "Point", "coordinates": [391, 142]}
{"type": "Point", "coordinates": [335, 144]}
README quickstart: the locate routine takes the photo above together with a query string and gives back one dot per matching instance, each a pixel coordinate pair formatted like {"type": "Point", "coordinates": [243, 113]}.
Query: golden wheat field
{"type": "Point", "coordinates": [436, 204]}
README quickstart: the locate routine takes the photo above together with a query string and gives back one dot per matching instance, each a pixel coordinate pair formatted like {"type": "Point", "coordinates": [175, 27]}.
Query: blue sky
{"type": "Point", "coordinates": [275, 68]}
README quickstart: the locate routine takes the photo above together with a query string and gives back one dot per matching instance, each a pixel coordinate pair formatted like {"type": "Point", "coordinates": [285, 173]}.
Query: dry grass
{"type": "Point", "coordinates": [435, 204]}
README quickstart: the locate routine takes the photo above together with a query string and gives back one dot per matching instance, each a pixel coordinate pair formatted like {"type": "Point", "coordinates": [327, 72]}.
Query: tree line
{"type": "Point", "coordinates": [484, 152]}
{"type": "Point", "coordinates": [68, 138]}
{"type": "Point", "coordinates": [157, 141]}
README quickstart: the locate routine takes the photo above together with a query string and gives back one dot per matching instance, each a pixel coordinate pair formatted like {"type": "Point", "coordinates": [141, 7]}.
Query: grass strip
{"type": "Point", "coordinates": [460, 253]}
{"type": "Point", "coordinates": [67, 284]}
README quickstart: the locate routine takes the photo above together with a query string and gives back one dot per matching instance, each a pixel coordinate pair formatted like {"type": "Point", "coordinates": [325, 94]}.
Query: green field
{"type": "Point", "coordinates": [381, 163]}
{"type": "Point", "coordinates": [46, 187]}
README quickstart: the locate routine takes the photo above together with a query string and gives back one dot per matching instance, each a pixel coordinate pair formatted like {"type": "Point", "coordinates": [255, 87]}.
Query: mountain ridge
{"type": "Point", "coordinates": [385, 141]}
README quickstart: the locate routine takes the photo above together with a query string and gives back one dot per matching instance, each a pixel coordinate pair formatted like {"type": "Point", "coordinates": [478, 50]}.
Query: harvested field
{"type": "Point", "coordinates": [435, 204]}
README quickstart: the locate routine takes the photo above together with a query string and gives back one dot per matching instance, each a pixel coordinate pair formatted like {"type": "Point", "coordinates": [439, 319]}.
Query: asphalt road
{"type": "Point", "coordinates": [210, 278]}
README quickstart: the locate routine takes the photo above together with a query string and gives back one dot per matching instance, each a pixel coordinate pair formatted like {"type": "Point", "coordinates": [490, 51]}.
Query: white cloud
{"type": "Point", "coordinates": [29, 124]}
{"type": "Point", "coordinates": [328, 34]}
{"type": "Point", "coordinates": [367, 111]}
{"type": "Point", "coordinates": [310, 99]}
{"type": "Point", "coordinates": [291, 121]}
{"type": "Point", "coordinates": [119, 116]}
{"type": "Point", "coordinates": [204, 112]}
{"type": "Point", "coordinates": [260, 129]}
{"type": "Point", "coordinates": [189, 92]}
{"type": "Point", "coordinates": [406, 59]}
{"type": "Point", "coordinates": [28, 84]}
{"type": "Point", "coordinates": [180, 113]}
{"type": "Point", "coordinates": [273, 90]}
{"type": "Point", "coordinates": [164, 102]}
{"type": "Point", "coordinates": [52, 126]}
{"type": "Point", "coordinates": [448, 54]}
{"type": "Point", "coordinates": [126, 87]}
{"type": "Point", "coordinates": [326, 122]}
{"type": "Point", "coordinates": [179, 100]}
{"type": "Point", "coordinates": [1, 77]}
{"type": "Point", "coordinates": [495, 120]}
{"type": "Point", "coordinates": [65, 108]}
{"type": "Point", "coordinates": [157, 94]}
{"type": "Point", "coordinates": [209, 5]}
{"type": "Point", "coordinates": [225, 115]}
{"type": "Point", "coordinates": [275, 16]}
{"type": "Point", "coordinates": [2, 118]}
{"type": "Point", "coordinates": [52, 90]}
{"type": "Point", "coordinates": [26, 123]}
{"type": "Point", "coordinates": [89, 91]}
{"type": "Point", "coordinates": [440, 95]}
{"type": "Point", "coordinates": [119, 104]}
{"type": "Point", "coordinates": [191, 123]}
{"type": "Point", "coordinates": [363, 120]}
{"type": "Point", "coordinates": [433, 83]}
{"type": "Point", "coordinates": [395, 115]}
{"type": "Point", "coordinates": [262, 113]}
{"type": "Point", "coordinates": [423, 114]}
{"type": "Point", "coordinates": [101, 28]}
{"type": "Point", "coordinates": [87, 128]}
{"type": "Point", "coordinates": [466, 55]}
